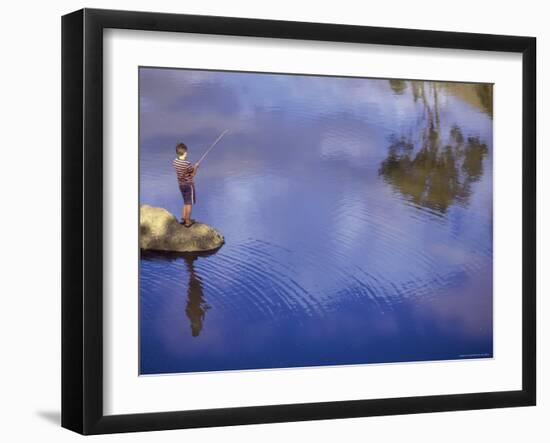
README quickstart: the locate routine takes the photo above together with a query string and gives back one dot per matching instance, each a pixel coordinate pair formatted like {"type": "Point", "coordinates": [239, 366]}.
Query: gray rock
{"type": "Point", "coordinates": [159, 230]}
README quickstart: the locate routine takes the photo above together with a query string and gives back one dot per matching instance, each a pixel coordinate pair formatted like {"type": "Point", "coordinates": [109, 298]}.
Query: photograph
{"type": "Point", "coordinates": [295, 220]}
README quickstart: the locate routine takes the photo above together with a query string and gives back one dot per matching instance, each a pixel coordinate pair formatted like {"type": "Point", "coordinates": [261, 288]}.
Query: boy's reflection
{"type": "Point", "coordinates": [196, 305]}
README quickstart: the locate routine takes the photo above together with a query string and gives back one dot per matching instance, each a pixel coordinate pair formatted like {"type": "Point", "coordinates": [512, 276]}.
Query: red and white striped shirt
{"type": "Point", "coordinates": [184, 171]}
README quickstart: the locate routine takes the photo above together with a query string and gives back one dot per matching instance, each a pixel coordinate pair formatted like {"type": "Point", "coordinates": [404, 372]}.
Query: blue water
{"type": "Point", "coordinates": [357, 215]}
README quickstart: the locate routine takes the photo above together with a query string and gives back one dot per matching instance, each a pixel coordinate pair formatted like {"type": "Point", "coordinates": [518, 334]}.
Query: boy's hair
{"type": "Point", "coordinates": [181, 148]}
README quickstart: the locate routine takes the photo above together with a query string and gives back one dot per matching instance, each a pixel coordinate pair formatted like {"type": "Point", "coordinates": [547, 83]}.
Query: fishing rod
{"type": "Point", "coordinates": [212, 146]}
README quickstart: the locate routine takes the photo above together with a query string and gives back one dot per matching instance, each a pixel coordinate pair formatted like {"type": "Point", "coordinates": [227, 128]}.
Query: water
{"type": "Point", "coordinates": [357, 215]}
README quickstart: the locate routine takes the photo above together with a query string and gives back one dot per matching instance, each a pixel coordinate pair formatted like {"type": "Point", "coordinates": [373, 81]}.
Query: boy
{"type": "Point", "coordinates": [185, 173]}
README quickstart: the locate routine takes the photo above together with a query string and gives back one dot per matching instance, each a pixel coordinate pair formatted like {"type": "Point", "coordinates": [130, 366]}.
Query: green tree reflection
{"type": "Point", "coordinates": [433, 173]}
{"type": "Point", "coordinates": [398, 86]}
{"type": "Point", "coordinates": [485, 95]}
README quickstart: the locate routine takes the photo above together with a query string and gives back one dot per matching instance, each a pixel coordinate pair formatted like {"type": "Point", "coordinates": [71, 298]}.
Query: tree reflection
{"type": "Point", "coordinates": [398, 86]}
{"type": "Point", "coordinates": [424, 168]}
{"type": "Point", "coordinates": [485, 95]}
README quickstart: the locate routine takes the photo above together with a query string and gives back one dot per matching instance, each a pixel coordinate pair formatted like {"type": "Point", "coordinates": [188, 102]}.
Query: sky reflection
{"type": "Point", "coordinates": [357, 215]}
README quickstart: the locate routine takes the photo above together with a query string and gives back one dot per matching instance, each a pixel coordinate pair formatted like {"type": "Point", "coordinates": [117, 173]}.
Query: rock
{"type": "Point", "coordinates": [160, 231]}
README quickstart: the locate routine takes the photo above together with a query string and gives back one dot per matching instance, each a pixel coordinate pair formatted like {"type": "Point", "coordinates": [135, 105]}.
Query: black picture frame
{"type": "Point", "coordinates": [82, 218]}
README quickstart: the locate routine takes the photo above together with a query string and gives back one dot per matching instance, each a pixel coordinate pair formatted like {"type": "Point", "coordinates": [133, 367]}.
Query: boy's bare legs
{"type": "Point", "coordinates": [187, 214]}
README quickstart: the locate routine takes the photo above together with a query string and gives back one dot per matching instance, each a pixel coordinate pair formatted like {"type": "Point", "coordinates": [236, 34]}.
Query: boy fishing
{"type": "Point", "coordinates": [185, 173]}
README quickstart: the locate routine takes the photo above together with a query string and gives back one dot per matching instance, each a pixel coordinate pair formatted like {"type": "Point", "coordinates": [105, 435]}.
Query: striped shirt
{"type": "Point", "coordinates": [184, 171]}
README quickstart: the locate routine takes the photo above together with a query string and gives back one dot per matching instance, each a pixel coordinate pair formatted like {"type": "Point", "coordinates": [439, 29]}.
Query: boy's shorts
{"type": "Point", "coordinates": [188, 194]}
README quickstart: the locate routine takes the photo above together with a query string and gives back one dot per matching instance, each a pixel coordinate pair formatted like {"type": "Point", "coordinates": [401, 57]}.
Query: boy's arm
{"type": "Point", "coordinates": [195, 168]}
